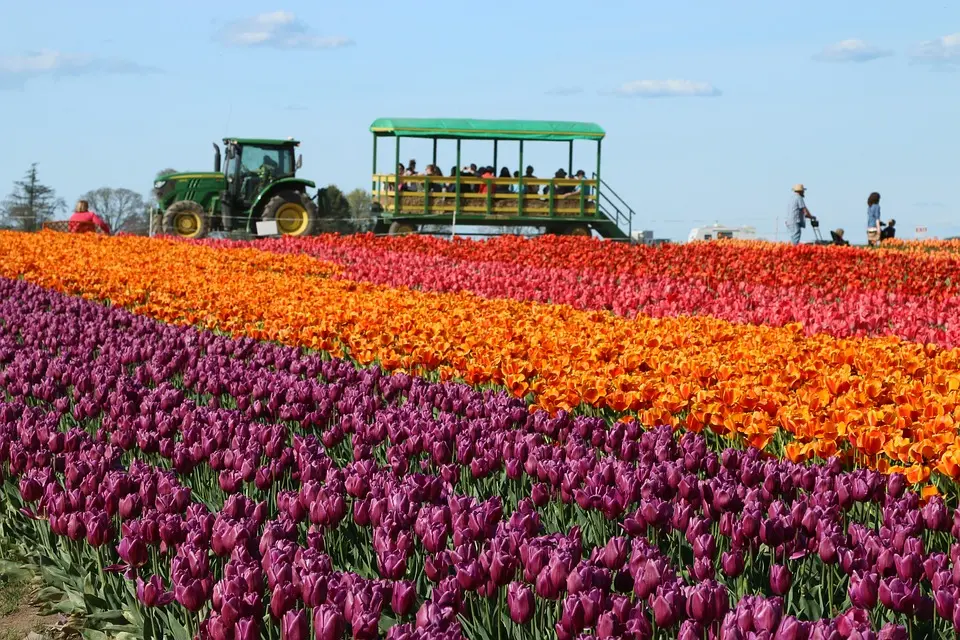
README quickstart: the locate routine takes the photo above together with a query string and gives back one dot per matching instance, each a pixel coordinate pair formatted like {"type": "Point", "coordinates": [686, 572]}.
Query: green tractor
{"type": "Point", "coordinates": [258, 183]}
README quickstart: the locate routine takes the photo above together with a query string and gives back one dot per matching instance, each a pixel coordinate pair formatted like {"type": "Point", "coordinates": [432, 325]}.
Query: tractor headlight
{"type": "Point", "coordinates": [159, 184]}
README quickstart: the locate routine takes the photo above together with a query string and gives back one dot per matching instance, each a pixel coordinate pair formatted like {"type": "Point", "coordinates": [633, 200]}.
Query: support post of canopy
{"type": "Point", "coordinates": [520, 189]}
{"type": "Point", "coordinates": [456, 206]}
{"type": "Point", "coordinates": [396, 186]}
{"type": "Point", "coordinates": [434, 152]}
{"type": "Point", "coordinates": [376, 186]}
{"type": "Point", "coordinates": [570, 161]}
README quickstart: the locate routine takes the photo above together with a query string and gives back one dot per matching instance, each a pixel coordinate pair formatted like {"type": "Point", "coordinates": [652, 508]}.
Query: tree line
{"type": "Point", "coordinates": [32, 203]}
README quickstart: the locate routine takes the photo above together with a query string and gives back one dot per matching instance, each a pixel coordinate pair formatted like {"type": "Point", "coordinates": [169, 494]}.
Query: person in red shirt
{"type": "Point", "coordinates": [85, 221]}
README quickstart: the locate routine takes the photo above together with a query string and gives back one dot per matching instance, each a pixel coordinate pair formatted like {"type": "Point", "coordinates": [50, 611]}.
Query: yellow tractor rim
{"type": "Point", "coordinates": [292, 219]}
{"type": "Point", "coordinates": [187, 224]}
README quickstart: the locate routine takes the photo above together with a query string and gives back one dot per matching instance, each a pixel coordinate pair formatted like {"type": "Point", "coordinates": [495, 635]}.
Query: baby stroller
{"type": "Point", "coordinates": [818, 237]}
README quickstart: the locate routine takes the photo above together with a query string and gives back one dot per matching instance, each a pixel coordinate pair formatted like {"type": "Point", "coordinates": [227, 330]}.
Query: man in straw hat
{"type": "Point", "coordinates": [797, 213]}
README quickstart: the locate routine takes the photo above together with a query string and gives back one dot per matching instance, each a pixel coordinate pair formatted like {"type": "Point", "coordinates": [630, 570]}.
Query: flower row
{"type": "Point", "coordinates": [889, 404]}
{"type": "Point", "coordinates": [306, 491]}
{"type": "Point", "coordinates": [915, 269]}
{"type": "Point", "coordinates": [489, 269]}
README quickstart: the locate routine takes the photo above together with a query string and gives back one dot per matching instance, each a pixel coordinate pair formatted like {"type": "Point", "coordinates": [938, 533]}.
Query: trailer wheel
{"type": "Point", "coordinates": [186, 219]}
{"type": "Point", "coordinates": [295, 213]}
{"type": "Point", "coordinates": [581, 230]}
{"type": "Point", "coordinates": [402, 228]}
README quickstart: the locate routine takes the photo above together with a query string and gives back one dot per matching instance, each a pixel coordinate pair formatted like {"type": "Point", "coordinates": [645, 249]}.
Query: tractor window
{"type": "Point", "coordinates": [277, 160]}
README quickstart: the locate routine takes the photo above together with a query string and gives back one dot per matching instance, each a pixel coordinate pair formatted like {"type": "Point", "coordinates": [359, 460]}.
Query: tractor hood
{"type": "Point", "coordinates": [190, 175]}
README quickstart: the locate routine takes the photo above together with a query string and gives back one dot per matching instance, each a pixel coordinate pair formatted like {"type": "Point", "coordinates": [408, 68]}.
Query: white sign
{"type": "Point", "coordinates": [267, 228]}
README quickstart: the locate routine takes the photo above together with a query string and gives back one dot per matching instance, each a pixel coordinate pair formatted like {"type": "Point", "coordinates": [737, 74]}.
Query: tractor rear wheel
{"type": "Point", "coordinates": [186, 219]}
{"type": "Point", "coordinates": [295, 213]}
{"type": "Point", "coordinates": [402, 228]}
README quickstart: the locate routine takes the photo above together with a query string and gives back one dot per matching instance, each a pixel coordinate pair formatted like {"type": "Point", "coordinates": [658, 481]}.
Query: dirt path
{"type": "Point", "coordinates": [20, 617]}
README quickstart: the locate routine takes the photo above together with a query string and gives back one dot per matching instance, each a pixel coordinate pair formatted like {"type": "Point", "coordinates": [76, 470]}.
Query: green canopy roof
{"type": "Point", "coordinates": [486, 129]}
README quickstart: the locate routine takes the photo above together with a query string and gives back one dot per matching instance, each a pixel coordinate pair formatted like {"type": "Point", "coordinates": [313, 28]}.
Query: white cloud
{"type": "Point", "coordinates": [16, 71]}
{"type": "Point", "coordinates": [280, 30]}
{"type": "Point", "coordinates": [942, 53]}
{"type": "Point", "coordinates": [667, 89]}
{"type": "Point", "coordinates": [565, 91]}
{"type": "Point", "coordinates": [851, 50]}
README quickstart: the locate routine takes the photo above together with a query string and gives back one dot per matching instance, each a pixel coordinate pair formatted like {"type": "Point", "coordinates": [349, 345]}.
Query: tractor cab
{"type": "Point", "coordinates": [255, 180]}
{"type": "Point", "coordinates": [251, 166]}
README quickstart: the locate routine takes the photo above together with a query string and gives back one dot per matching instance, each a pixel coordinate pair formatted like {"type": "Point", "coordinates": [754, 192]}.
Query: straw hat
{"type": "Point", "coordinates": [839, 233]}
{"type": "Point", "coordinates": [799, 188]}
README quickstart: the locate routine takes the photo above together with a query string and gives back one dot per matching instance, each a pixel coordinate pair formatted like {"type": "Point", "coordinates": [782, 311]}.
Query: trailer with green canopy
{"type": "Point", "coordinates": [564, 204]}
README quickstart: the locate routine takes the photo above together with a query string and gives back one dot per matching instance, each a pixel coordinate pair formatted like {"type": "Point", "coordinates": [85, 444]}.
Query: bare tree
{"type": "Point", "coordinates": [124, 210]}
{"type": "Point", "coordinates": [30, 204]}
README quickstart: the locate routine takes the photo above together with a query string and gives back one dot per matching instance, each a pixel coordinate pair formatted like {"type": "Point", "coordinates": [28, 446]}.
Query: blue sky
{"type": "Point", "coordinates": [713, 110]}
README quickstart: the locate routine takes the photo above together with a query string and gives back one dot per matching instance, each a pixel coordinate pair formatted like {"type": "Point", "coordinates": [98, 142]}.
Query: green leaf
{"type": "Point", "coordinates": [95, 603]}
{"type": "Point", "coordinates": [93, 634]}
{"type": "Point", "coordinates": [115, 615]}
{"type": "Point", "coordinates": [175, 628]}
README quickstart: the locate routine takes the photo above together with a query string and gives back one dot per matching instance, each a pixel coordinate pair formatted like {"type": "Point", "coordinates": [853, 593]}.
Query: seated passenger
{"type": "Point", "coordinates": [575, 191]}
{"type": "Point", "coordinates": [486, 173]}
{"type": "Point", "coordinates": [434, 172]}
{"type": "Point", "coordinates": [504, 188]}
{"type": "Point", "coordinates": [530, 188]}
{"type": "Point", "coordinates": [412, 171]}
{"type": "Point", "coordinates": [561, 190]}
{"type": "Point", "coordinates": [451, 187]}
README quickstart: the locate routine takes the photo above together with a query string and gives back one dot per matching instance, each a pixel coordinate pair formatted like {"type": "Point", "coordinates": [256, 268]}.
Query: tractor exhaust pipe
{"type": "Point", "coordinates": [216, 157]}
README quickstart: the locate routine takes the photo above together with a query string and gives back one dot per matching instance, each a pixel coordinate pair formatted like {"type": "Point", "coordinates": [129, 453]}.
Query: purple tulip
{"type": "Point", "coordinates": [732, 563]}
{"type": "Point", "coordinates": [133, 551]}
{"type": "Point", "coordinates": [295, 625]}
{"type": "Point", "coordinates": [899, 596]}
{"type": "Point", "coordinates": [863, 590]}
{"type": "Point", "coordinates": [403, 597]}
{"type": "Point", "coordinates": [944, 600]}
{"type": "Point", "coordinates": [246, 629]}
{"type": "Point", "coordinates": [780, 579]}
{"type": "Point", "coordinates": [152, 593]}
{"type": "Point", "coordinates": [668, 606]}
{"type": "Point", "coordinates": [893, 631]}
{"type": "Point", "coordinates": [328, 623]}
{"type": "Point", "coordinates": [908, 566]}
{"type": "Point", "coordinates": [192, 594]}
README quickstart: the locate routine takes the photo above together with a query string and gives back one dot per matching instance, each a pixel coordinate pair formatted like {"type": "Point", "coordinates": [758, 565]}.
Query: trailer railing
{"type": "Point", "coordinates": [615, 207]}
{"type": "Point", "coordinates": [534, 197]}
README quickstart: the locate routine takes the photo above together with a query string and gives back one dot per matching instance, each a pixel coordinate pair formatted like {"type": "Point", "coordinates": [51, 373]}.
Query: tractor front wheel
{"type": "Point", "coordinates": [186, 219]}
{"type": "Point", "coordinates": [294, 212]}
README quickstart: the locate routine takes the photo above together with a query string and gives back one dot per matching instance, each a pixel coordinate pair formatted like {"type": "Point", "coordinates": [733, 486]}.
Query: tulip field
{"type": "Point", "coordinates": [517, 439]}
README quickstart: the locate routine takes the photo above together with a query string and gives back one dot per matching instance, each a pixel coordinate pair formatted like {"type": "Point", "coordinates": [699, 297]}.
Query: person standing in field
{"type": "Point", "coordinates": [797, 214]}
{"type": "Point", "coordinates": [873, 219]}
{"type": "Point", "coordinates": [85, 221]}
